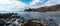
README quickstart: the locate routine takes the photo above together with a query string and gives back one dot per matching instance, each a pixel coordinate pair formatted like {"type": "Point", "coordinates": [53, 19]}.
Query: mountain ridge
{"type": "Point", "coordinates": [44, 9]}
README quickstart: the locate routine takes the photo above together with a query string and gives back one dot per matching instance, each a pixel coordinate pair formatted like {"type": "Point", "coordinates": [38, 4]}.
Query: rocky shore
{"type": "Point", "coordinates": [12, 19]}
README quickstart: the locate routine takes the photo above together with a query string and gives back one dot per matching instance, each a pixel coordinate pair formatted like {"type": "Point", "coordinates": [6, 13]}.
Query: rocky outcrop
{"type": "Point", "coordinates": [14, 20]}
{"type": "Point", "coordinates": [39, 22]}
{"type": "Point", "coordinates": [44, 9]}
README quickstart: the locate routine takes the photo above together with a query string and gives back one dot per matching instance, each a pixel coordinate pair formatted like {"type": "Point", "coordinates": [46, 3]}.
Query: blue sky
{"type": "Point", "coordinates": [26, 1]}
{"type": "Point", "coordinates": [20, 5]}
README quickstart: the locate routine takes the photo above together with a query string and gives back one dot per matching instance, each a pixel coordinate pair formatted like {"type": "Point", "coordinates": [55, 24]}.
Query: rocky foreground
{"type": "Point", "coordinates": [12, 19]}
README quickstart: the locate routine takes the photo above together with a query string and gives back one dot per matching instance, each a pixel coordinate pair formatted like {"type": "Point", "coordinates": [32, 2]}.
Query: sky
{"type": "Point", "coordinates": [20, 5]}
{"type": "Point", "coordinates": [26, 1]}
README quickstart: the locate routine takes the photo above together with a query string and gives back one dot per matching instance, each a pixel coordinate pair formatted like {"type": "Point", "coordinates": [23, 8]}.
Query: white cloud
{"type": "Point", "coordinates": [50, 2]}
{"type": "Point", "coordinates": [15, 5]}
{"type": "Point", "coordinates": [35, 3]}
{"type": "Point", "coordinates": [11, 5]}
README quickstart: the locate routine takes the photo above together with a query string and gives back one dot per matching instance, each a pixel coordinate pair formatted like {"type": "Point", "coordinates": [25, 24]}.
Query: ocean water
{"type": "Point", "coordinates": [42, 15]}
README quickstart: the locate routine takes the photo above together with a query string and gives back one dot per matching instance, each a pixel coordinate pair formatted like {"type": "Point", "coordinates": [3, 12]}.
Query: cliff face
{"type": "Point", "coordinates": [44, 9]}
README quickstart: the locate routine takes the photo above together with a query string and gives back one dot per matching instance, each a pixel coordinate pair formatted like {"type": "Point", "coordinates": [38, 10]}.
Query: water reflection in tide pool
{"type": "Point", "coordinates": [43, 15]}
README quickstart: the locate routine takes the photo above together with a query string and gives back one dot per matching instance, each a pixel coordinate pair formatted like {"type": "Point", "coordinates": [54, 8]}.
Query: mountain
{"type": "Point", "coordinates": [44, 9]}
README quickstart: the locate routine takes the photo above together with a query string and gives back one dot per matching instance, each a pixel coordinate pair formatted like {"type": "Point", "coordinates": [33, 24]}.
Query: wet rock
{"type": "Point", "coordinates": [2, 23]}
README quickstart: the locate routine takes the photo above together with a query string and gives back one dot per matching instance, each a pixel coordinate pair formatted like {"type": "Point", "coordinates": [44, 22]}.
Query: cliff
{"type": "Point", "coordinates": [44, 9]}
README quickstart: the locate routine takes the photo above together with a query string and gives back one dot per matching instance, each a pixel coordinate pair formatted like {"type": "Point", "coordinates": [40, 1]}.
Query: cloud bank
{"type": "Point", "coordinates": [17, 5]}
{"type": "Point", "coordinates": [41, 3]}
{"type": "Point", "coordinates": [11, 5]}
